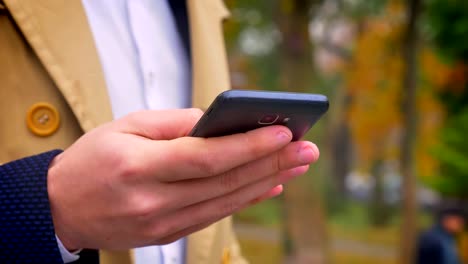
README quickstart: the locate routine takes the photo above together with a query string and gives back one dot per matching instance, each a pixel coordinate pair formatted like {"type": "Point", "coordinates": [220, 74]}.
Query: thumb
{"type": "Point", "coordinates": [160, 124]}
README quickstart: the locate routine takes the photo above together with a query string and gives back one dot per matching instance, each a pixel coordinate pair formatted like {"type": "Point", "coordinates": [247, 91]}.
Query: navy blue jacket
{"type": "Point", "coordinates": [437, 247]}
{"type": "Point", "coordinates": [26, 230]}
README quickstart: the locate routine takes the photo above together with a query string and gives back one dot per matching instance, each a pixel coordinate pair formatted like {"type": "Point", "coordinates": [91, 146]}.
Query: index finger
{"type": "Point", "coordinates": [160, 124]}
{"type": "Point", "coordinates": [191, 158]}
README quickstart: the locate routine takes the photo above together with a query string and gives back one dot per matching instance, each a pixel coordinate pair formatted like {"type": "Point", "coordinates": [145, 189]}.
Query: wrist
{"type": "Point", "coordinates": [54, 200]}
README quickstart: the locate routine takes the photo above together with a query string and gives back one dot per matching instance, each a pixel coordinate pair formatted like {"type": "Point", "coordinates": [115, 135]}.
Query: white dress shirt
{"type": "Point", "coordinates": [145, 67]}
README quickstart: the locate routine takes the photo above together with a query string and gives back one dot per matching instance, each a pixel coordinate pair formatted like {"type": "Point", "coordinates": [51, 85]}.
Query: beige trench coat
{"type": "Point", "coordinates": [52, 90]}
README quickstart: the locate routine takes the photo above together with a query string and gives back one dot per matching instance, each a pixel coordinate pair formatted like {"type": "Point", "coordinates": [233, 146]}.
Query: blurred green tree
{"type": "Point", "coordinates": [448, 29]}
{"type": "Point", "coordinates": [447, 22]}
{"type": "Point", "coordinates": [452, 153]}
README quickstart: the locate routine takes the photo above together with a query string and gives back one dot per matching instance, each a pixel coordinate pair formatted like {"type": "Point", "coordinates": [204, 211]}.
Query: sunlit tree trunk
{"type": "Point", "coordinates": [304, 217]}
{"type": "Point", "coordinates": [409, 224]}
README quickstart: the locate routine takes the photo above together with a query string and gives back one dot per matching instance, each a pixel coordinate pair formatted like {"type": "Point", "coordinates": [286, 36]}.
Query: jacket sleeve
{"type": "Point", "coordinates": [429, 251]}
{"type": "Point", "coordinates": [26, 229]}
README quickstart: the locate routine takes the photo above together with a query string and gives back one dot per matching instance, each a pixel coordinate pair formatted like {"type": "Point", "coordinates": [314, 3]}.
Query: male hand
{"type": "Point", "coordinates": [141, 181]}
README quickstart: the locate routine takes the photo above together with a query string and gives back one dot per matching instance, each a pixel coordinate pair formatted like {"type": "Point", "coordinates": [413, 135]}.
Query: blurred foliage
{"type": "Point", "coordinates": [265, 214]}
{"type": "Point", "coordinates": [373, 81]}
{"type": "Point", "coordinates": [452, 152]}
{"type": "Point", "coordinates": [251, 31]}
{"type": "Point", "coordinates": [448, 27]}
{"type": "Point", "coordinates": [363, 82]}
{"type": "Point", "coordinates": [361, 8]}
{"type": "Point", "coordinates": [447, 22]}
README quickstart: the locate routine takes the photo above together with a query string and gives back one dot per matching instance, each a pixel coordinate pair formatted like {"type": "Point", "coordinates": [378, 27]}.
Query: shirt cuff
{"type": "Point", "coordinates": [67, 256]}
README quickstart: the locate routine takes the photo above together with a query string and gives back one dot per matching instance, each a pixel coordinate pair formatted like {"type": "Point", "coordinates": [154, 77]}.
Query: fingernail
{"type": "Point", "coordinates": [307, 155]}
{"type": "Point", "coordinates": [277, 190]}
{"type": "Point", "coordinates": [283, 136]}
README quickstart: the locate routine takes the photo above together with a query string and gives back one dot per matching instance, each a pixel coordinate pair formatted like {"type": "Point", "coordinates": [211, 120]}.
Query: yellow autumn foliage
{"type": "Point", "coordinates": [374, 83]}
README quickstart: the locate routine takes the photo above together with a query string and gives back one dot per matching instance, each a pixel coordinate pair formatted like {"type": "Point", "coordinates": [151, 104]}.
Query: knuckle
{"type": "Point", "coordinates": [228, 207]}
{"type": "Point", "coordinates": [162, 230]}
{"type": "Point", "coordinates": [204, 163]}
{"type": "Point", "coordinates": [195, 113]}
{"type": "Point", "coordinates": [142, 207]}
{"type": "Point", "coordinates": [229, 181]}
{"type": "Point", "coordinates": [253, 146]}
{"type": "Point", "coordinates": [275, 162]}
{"type": "Point", "coordinates": [129, 169]}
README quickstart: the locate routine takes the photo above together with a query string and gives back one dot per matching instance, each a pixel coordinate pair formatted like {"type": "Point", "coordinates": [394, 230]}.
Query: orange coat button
{"type": "Point", "coordinates": [43, 119]}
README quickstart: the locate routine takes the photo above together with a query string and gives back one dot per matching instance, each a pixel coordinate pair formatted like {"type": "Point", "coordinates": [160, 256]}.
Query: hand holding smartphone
{"type": "Point", "coordinates": [238, 111]}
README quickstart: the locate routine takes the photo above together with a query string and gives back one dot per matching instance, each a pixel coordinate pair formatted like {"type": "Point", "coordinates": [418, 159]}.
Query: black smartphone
{"type": "Point", "coordinates": [238, 111]}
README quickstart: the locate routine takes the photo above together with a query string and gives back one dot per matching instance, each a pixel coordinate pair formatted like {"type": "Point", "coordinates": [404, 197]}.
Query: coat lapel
{"type": "Point", "coordinates": [58, 32]}
{"type": "Point", "coordinates": [209, 62]}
